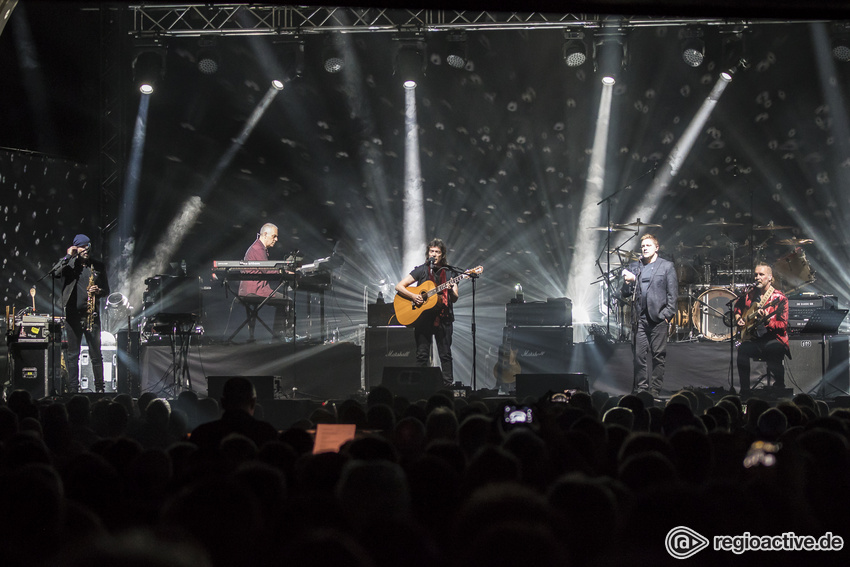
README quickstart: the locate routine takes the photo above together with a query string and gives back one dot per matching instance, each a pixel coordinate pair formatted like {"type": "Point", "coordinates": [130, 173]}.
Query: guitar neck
{"type": "Point", "coordinates": [449, 283]}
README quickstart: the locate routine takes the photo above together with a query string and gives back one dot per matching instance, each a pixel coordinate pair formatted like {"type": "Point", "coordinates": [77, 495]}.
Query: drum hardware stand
{"type": "Point", "coordinates": [607, 201]}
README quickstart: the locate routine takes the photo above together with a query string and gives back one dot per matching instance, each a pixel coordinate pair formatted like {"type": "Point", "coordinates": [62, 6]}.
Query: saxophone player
{"type": "Point", "coordinates": [84, 283]}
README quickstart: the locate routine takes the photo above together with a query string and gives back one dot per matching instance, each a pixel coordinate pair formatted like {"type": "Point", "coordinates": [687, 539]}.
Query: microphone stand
{"type": "Point", "coordinates": [607, 201]}
{"type": "Point", "coordinates": [472, 276]}
{"type": "Point", "coordinates": [731, 305]}
{"type": "Point", "coordinates": [54, 272]}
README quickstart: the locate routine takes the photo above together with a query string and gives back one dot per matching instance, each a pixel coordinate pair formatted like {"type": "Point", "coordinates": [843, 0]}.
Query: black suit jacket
{"type": "Point", "coordinates": [70, 274]}
{"type": "Point", "coordinates": [662, 293]}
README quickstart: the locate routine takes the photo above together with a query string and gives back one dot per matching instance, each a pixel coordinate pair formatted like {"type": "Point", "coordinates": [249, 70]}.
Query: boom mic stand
{"type": "Point", "coordinates": [473, 276]}
{"type": "Point", "coordinates": [607, 201]}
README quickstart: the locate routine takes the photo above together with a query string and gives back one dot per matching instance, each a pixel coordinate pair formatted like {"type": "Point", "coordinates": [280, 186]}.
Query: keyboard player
{"type": "Point", "coordinates": [255, 291]}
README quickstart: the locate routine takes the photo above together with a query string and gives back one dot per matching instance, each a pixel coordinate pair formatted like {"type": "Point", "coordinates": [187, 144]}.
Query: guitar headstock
{"type": "Point", "coordinates": [476, 270]}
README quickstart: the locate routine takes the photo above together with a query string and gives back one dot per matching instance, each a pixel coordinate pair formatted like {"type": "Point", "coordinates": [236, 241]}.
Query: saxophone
{"type": "Point", "coordinates": [91, 303]}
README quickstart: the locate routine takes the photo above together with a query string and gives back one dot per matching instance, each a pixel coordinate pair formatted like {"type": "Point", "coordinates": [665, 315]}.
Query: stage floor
{"type": "Point", "coordinates": [335, 371]}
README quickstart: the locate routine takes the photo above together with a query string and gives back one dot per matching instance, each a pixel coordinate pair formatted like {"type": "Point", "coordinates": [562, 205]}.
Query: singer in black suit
{"type": "Point", "coordinates": [437, 323]}
{"type": "Point", "coordinates": [652, 285]}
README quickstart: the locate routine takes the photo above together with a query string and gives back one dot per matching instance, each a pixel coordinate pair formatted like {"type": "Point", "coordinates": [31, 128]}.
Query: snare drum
{"type": "Point", "coordinates": [709, 311]}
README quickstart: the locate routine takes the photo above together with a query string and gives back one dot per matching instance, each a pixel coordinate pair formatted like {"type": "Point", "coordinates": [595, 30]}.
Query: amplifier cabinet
{"type": "Point", "coordinates": [387, 346]}
{"type": "Point", "coordinates": [129, 377]}
{"type": "Point", "coordinates": [554, 312]}
{"type": "Point", "coordinates": [381, 315]}
{"type": "Point", "coordinates": [540, 350]}
{"type": "Point", "coordinates": [810, 357]}
{"type": "Point", "coordinates": [30, 368]}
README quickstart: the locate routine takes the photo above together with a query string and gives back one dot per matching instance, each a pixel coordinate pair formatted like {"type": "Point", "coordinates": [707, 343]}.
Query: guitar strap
{"type": "Point", "coordinates": [765, 296]}
{"type": "Point", "coordinates": [444, 296]}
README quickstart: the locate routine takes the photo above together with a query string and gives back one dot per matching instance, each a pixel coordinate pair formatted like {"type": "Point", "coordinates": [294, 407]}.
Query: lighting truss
{"type": "Point", "coordinates": [274, 19]}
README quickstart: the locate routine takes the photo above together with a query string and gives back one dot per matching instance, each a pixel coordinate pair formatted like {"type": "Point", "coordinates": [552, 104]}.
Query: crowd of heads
{"type": "Point", "coordinates": [593, 480]}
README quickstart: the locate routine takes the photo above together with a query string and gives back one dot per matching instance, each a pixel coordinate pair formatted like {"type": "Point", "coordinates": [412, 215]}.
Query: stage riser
{"type": "Point", "coordinates": [321, 371]}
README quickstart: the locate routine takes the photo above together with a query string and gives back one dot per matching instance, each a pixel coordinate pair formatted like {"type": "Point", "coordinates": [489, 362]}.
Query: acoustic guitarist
{"type": "Point", "coordinates": [761, 315]}
{"type": "Point", "coordinates": [436, 323]}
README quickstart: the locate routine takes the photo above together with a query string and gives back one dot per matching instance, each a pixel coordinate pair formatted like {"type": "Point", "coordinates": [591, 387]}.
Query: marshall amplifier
{"type": "Point", "coordinates": [540, 350]}
{"type": "Point", "coordinates": [387, 346]}
{"type": "Point", "coordinates": [554, 312]}
{"type": "Point", "coordinates": [381, 314]}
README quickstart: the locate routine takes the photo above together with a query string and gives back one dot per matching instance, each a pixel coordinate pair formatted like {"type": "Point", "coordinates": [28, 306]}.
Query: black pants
{"type": "Point", "coordinates": [650, 344]}
{"type": "Point", "coordinates": [441, 333]}
{"type": "Point", "coordinates": [75, 330]}
{"type": "Point", "coordinates": [771, 350]}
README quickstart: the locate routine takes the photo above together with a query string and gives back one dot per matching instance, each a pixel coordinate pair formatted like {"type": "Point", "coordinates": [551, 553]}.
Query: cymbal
{"type": "Point", "coordinates": [721, 222]}
{"type": "Point", "coordinates": [771, 226]}
{"type": "Point", "coordinates": [613, 228]}
{"type": "Point", "coordinates": [639, 224]}
{"type": "Point", "coordinates": [625, 254]}
{"type": "Point", "coordinates": [795, 241]}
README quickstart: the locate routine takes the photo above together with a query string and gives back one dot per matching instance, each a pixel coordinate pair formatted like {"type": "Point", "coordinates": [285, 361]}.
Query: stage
{"type": "Point", "coordinates": [337, 370]}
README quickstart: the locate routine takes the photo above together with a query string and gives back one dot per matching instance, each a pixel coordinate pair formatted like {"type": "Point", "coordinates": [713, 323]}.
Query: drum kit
{"type": "Point", "coordinates": [710, 277]}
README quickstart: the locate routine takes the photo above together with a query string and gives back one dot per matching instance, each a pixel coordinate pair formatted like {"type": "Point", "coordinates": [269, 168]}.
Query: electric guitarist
{"type": "Point", "coordinates": [436, 323]}
{"type": "Point", "coordinates": [762, 317]}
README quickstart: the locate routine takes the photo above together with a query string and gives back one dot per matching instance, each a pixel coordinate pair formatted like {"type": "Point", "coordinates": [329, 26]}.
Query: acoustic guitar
{"type": "Point", "coordinates": [507, 366]}
{"type": "Point", "coordinates": [752, 320]}
{"type": "Point", "coordinates": [408, 312]}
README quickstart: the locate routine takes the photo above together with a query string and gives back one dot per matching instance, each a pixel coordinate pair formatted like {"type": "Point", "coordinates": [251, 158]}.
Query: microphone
{"type": "Point", "coordinates": [431, 261]}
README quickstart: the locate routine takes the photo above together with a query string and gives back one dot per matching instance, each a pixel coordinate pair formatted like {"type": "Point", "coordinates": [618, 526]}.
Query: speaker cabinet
{"type": "Point", "coordinates": [811, 357]}
{"type": "Point", "coordinates": [264, 385]}
{"type": "Point", "coordinates": [536, 385]}
{"type": "Point", "coordinates": [540, 350]}
{"type": "Point", "coordinates": [129, 377]}
{"type": "Point", "coordinates": [30, 368]}
{"type": "Point", "coordinates": [413, 383]}
{"type": "Point", "coordinates": [387, 346]}
{"type": "Point", "coordinates": [554, 312]}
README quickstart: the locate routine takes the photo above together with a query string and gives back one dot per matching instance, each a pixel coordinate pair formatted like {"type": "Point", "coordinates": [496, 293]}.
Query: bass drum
{"type": "Point", "coordinates": [710, 313]}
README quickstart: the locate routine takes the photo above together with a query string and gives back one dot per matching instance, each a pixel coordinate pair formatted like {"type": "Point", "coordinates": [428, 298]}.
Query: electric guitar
{"type": "Point", "coordinates": [752, 320]}
{"type": "Point", "coordinates": [407, 312]}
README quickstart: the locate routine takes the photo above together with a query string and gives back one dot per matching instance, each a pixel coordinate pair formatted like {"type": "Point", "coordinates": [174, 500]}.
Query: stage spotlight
{"type": "Point", "coordinates": [457, 51]}
{"type": "Point", "coordinates": [734, 49]}
{"type": "Point", "coordinates": [208, 56]}
{"type": "Point", "coordinates": [611, 56]}
{"type": "Point", "coordinates": [277, 84]}
{"type": "Point", "coordinates": [841, 41]}
{"type": "Point", "coordinates": [410, 60]}
{"type": "Point", "coordinates": [332, 55]}
{"type": "Point", "coordinates": [574, 49]}
{"type": "Point", "coordinates": [148, 66]}
{"type": "Point", "coordinates": [693, 46]}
